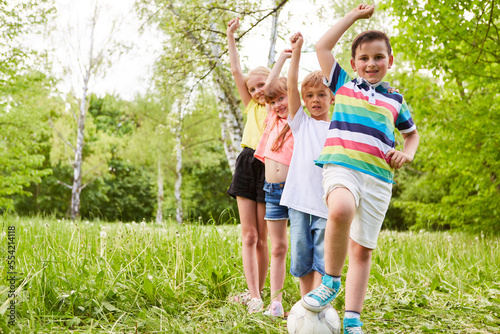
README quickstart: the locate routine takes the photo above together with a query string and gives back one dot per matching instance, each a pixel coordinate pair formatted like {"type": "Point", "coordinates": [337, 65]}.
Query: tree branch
{"type": "Point", "coordinates": [487, 30]}
{"type": "Point", "coordinates": [64, 184]}
{"type": "Point", "coordinates": [93, 168]}
{"type": "Point", "coordinates": [51, 124]}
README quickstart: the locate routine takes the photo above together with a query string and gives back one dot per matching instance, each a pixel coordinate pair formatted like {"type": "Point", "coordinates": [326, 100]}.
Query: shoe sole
{"type": "Point", "coordinates": [315, 309]}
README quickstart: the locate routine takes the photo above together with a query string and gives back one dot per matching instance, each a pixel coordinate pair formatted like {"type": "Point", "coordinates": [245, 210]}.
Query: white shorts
{"type": "Point", "coordinates": [372, 198]}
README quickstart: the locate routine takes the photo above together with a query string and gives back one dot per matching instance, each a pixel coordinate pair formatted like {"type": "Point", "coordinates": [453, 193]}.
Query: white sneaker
{"type": "Point", "coordinates": [275, 309]}
{"type": "Point", "coordinates": [255, 305]}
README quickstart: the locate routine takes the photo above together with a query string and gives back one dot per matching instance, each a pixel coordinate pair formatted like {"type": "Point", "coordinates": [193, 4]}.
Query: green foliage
{"type": "Point", "coordinates": [126, 194]}
{"type": "Point", "coordinates": [24, 133]}
{"type": "Point", "coordinates": [453, 182]}
{"type": "Point", "coordinates": [129, 195]}
{"type": "Point", "coordinates": [206, 173]}
{"type": "Point", "coordinates": [195, 28]}
{"type": "Point", "coordinates": [19, 19]}
{"type": "Point", "coordinates": [454, 39]}
{"type": "Point", "coordinates": [206, 183]}
{"type": "Point", "coordinates": [112, 115]}
{"type": "Point", "coordinates": [48, 196]}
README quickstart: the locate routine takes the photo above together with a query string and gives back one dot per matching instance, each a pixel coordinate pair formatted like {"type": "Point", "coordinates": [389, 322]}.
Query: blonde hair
{"type": "Point", "coordinates": [314, 79]}
{"type": "Point", "coordinates": [277, 87]}
{"type": "Point", "coordinates": [260, 70]}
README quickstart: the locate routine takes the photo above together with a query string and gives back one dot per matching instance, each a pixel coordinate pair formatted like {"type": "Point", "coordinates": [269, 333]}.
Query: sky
{"type": "Point", "coordinates": [131, 73]}
{"type": "Point", "coordinates": [128, 74]}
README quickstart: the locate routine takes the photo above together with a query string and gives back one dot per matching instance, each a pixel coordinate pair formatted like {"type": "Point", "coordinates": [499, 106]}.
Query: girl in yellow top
{"type": "Point", "coordinates": [248, 179]}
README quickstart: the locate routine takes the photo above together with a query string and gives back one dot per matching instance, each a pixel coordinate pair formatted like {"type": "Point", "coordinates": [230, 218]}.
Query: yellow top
{"type": "Point", "coordinates": [254, 127]}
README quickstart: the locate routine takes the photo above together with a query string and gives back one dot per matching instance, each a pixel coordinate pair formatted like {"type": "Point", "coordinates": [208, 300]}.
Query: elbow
{"type": "Point", "coordinates": [320, 46]}
{"type": "Point", "coordinates": [235, 72]}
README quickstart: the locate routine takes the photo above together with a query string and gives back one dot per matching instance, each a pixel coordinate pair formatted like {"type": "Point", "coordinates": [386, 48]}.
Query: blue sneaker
{"type": "Point", "coordinates": [352, 326]}
{"type": "Point", "coordinates": [321, 297]}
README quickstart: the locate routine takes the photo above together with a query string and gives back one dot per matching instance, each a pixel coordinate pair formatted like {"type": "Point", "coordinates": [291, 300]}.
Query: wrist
{"type": "Point", "coordinates": [351, 17]}
{"type": "Point", "coordinates": [409, 157]}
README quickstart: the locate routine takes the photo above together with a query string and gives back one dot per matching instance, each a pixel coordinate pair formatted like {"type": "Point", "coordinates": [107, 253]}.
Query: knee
{"type": "Point", "coordinates": [250, 239]}
{"type": "Point", "coordinates": [261, 242]}
{"type": "Point", "coordinates": [360, 253]}
{"type": "Point", "coordinates": [340, 215]}
{"type": "Point", "coordinates": [279, 250]}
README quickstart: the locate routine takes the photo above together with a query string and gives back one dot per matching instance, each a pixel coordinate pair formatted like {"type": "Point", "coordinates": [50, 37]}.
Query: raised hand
{"type": "Point", "coordinates": [363, 11]}
{"type": "Point", "coordinates": [233, 25]}
{"type": "Point", "coordinates": [297, 41]}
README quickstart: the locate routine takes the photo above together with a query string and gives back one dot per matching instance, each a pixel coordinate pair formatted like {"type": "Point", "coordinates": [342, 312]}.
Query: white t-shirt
{"type": "Point", "coordinates": [303, 188]}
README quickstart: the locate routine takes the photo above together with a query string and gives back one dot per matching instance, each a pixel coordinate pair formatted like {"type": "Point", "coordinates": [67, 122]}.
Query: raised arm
{"type": "Point", "coordinates": [328, 41]}
{"type": "Point", "coordinates": [293, 74]}
{"type": "Point", "coordinates": [275, 72]}
{"type": "Point", "coordinates": [234, 60]}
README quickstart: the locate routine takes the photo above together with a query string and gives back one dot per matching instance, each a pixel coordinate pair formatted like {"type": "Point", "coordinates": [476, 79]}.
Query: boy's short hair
{"type": "Point", "coordinates": [275, 88]}
{"type": "Point", "coordinates": [260, 70]}
{"type": "Point", "coordinates": [314, 79]}
{"type": "Point", "coordinates": [368, 36]}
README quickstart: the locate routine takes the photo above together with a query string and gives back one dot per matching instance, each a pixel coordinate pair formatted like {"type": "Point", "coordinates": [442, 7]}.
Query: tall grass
{"type": "Point", "coordinates": [94, 277]}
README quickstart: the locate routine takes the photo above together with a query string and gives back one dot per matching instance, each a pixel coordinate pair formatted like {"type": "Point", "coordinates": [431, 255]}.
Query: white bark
{"type": "Point", "coordinates": [80, 136]}
{"type": "Point", "coordinates": [230, 116]}
{"type": "Point", "coordinates": [274, 37]}
{"type": "Point", "coordinates": [159, 210]}
{"type": "Point", "coordinates": [179, 212]}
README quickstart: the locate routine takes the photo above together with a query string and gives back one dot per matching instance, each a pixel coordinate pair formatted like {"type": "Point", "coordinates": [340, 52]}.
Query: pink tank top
{"type": "Point", "coordinates": [274, 125]}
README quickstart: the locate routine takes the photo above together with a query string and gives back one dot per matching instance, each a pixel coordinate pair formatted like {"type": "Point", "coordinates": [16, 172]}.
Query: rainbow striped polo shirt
{"type": "Point", "coordinates": [362, 128]}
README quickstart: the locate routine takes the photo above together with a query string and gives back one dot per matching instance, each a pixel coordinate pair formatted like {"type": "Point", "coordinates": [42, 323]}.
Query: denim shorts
{"type": "Point", "coordinates": [307, 243]}
{"type": "Point", "coordinates": [273, 192]}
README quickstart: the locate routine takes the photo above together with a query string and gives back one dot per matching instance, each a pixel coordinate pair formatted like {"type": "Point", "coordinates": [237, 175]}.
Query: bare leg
{"type": "Point", "coordinates": [262, 247]}
{"type": "Point", "coordinates": [252, 244]}
{"type": "Point", "coordinates": [357, 276]}
{"type": "Point", "coordinates": [279, 247]}
{"type": "Point", "coordinates": [341, 209]}
{"type": "Point", "coordinates": [309, 282]}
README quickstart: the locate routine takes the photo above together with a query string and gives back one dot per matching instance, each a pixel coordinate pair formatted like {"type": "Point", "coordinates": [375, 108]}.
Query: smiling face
{"type": "Point", "coordinates": [318, 99]}
{"type": "Point", "coordinates": [256, 85]}
{"type": "Point", "coordinates": [372, 60]}
{"type": "Point", "coordinates": [279, 105]}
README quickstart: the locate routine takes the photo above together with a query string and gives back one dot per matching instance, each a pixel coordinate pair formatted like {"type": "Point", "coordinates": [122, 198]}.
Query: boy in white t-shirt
{"type": "Point", "coordinates": [303, 189]}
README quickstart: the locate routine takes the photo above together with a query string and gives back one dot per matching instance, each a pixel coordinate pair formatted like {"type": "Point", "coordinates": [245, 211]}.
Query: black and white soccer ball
{"type": "Point", "coordinates": [302, 321]}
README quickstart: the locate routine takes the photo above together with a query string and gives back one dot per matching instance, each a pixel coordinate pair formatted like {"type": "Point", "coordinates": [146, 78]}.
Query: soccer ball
{"type": "Point", "coordinates": [302, 321]}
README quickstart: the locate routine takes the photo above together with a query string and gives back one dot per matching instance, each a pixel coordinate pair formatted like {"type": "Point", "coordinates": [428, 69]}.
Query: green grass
{"type": "Point", "coordinates": [93, 277]}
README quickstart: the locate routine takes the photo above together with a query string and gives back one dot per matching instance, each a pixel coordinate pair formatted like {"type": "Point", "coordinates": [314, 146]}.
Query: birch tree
{"type": "Point", "coordinates": [92, 47]}
{"type": "Point", "coordinates": [196, 30]}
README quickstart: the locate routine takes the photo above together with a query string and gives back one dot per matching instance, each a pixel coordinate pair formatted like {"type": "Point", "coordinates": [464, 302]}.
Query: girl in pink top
{"type": "Point", "coordinates": [275, 150]}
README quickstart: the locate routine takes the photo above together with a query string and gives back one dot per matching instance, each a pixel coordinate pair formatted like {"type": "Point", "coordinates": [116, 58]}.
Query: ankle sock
{"type": "Point", "coordinates": [352, 315]}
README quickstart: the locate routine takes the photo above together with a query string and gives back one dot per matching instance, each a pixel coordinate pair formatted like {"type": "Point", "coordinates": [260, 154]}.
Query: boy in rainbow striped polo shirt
{"type": "Point", "coordinates": [358, 160]}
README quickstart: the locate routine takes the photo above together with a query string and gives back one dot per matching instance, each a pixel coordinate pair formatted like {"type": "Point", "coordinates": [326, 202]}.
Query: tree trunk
{"type": "Point", "coordinates": [179, 214]}
{"type": "Point", "coordinates": [274, 37]}
{"type": "Point", "coordinates": [159, 210]}
{"type": "Point", "coordinates": [80, 136]}
{"type": "Point", "coordinates": [80, 142]}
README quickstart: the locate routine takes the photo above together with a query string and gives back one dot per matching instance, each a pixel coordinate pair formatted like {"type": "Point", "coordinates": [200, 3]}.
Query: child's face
{"type": "Point", "coordinates": [318, 100]}
{"type": "Point", "coordinates": [372, 61]}
{"type": "Point", "coordinates": [279, 105]}
{"type": "Point", "coordinates": [256, 85]}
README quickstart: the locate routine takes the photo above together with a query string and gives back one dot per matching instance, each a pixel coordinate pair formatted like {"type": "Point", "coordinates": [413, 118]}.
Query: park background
{"type": "Point", "coordinates": [123, 118]}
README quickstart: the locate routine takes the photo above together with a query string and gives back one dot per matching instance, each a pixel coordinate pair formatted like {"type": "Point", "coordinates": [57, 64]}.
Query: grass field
{"type": "Point", "coordinates": [93, 277]}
